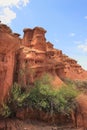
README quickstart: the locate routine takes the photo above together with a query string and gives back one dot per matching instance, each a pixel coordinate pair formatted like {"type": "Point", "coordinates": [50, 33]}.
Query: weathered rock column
{"type": "Point", "coordinates": [39, 40]}
{"type": "Point", "coordinates": [27, 38]}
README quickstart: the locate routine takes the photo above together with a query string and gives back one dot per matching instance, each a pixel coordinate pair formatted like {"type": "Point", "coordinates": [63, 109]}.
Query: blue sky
{"type": "Point", "coordinates": [64, 20]}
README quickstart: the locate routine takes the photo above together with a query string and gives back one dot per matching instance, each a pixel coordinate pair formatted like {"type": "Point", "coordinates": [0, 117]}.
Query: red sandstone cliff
{"type": "Point", "coordinates": [24, 60]}
{"type": "Point", "coordinates": [39, 56]}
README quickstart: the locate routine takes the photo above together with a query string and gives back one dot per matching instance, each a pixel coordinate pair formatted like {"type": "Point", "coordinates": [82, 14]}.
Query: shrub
{"type": "Point", "coordinates": [18, 96]}
{"type": "Point", "coordinates": [78, 84]}
{"type": "Point", "coordinates": [42, 97]}
{"type": "Point", "coordinates": [68, 81]}
{"type": "Point", "coordinates": [66, 97]}
{"type": "Point", "coordinates": [5, 111]}
{"type": "Point", "coordinates": [81, 84]}
{"type": "Point", "coordinates": [17, 99]}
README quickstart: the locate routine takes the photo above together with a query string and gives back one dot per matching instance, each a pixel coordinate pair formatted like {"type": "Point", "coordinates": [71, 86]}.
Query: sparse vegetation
{"type": "Point", "coordinates": [78, 84]}
{"type": "Point", "coordinates": [81, 85]}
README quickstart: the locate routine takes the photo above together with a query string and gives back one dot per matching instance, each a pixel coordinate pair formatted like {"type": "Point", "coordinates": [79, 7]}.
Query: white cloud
{"type": "Point", "coordinates": [85, 17]}
{"type": "Point", "coordinates": [72, 34]}
{"type": "Point", "coordinates": [6, 12]}
{"type": "Point", "coordinates": [11, 3]}
{"type": "Point", "coordinates": [7, 15]}
{"type": "Point", "coordinates": [83, 46]}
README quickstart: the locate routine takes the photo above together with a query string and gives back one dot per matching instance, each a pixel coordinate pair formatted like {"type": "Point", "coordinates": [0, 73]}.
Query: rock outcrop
{"type": "Point", "coordinates": [24, 60]}
{"type": "Point", "coordinates": [38, 56]}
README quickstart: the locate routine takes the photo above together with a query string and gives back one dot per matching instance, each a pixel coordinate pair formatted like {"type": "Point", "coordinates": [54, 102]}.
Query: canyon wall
{"type": "Point", "coordinates": [24, 60]}
{"type": "Point", "coordinates": [9, 44]}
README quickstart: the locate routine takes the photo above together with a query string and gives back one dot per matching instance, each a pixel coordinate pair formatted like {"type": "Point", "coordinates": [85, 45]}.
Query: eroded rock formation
{"type": "Point", "coordinates": [24, 60]}
{"type": "Point", "coordinates": [38, 56]}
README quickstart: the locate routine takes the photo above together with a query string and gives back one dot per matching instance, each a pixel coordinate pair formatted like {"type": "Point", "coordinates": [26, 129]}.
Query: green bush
{"type": "Point", "coordinates": [16, 100]}
{"type": "Point", "coordinates": [5, 111]}
{"type": "Point", "coordinates": [42, 97]}
{"type": "Point", "coordinates": [66, 99]}
{"type": "Point", "coordinates": [41, 94]}
{"type": "Point", "coordinates": [18, 96]}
